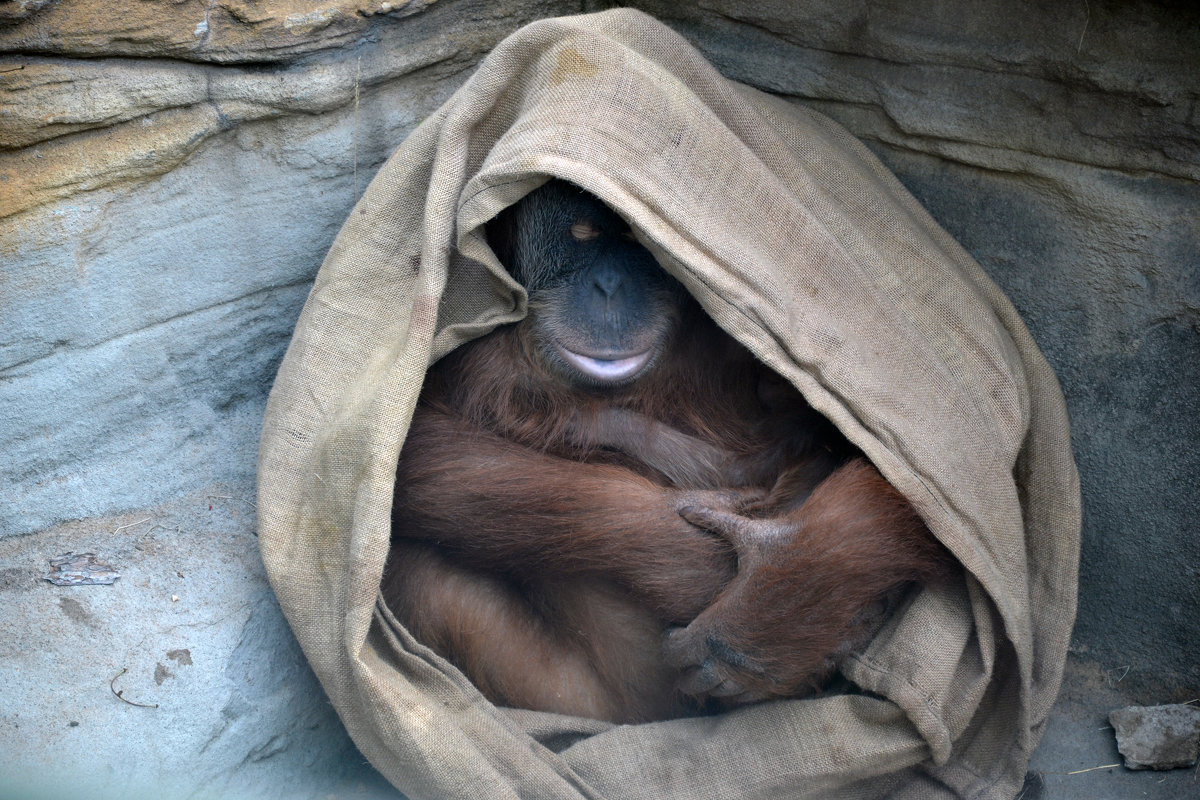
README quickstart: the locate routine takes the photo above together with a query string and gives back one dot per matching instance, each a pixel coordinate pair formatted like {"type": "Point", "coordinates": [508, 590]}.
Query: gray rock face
{"type": "Point", "coordinates": [215, 695]}
{"type": "Point", "coordinates": [232, 31]}
{"type": "Point", "coordinates": [161, 220]}
{"type": "Point", "coordinates": [172, 175]}
{"type": "Point", "coordinates": [1158, 737]}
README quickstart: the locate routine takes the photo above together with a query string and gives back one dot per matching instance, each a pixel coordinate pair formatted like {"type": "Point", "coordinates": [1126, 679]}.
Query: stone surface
{"type": "Point", "coordinates": [1108, 85]}
{"type": "Point", "coordinates": [171, 176]}
{"type": "Point", "coordinates": [215, 696]}
{"type": "Point", "coordinates": [161, 221]}
{"type": "Point", "coordinates": [1078, 757]}
{"type": "Point", "coordinates": [254, 31]}
{"type": "Point", "coordinates": [149, 115]}
{"type": "Point", "coordinates": [155, 261]}
{"type": "Point", "coordinates": [1158, 737]}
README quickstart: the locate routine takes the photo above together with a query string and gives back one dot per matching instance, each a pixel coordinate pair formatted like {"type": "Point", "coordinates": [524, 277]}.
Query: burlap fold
{"type": "Point", "coordinates": [801, 245]}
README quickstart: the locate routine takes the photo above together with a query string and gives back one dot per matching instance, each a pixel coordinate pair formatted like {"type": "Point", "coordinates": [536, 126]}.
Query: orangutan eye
{"type": "Point", "coordinates": [584, 231]}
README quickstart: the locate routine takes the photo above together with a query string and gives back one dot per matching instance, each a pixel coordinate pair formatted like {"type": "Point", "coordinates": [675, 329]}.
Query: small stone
{"type": "Point", "coordinates": [1158, 737]}
{"type": "Point", "coordinates": [80, 569]}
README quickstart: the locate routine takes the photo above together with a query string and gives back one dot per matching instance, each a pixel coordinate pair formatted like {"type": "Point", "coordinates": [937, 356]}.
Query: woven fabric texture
{"type": "Point", "coordinates": [802, 246]}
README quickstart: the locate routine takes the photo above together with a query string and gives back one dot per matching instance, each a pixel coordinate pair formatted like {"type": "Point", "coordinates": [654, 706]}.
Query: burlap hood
{"type": "Point", "coordinates": [802, 246]}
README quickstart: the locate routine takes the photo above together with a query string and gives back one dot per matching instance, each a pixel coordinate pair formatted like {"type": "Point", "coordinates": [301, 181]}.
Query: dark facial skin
{"type": "Point", "coordinates": [604, 311]}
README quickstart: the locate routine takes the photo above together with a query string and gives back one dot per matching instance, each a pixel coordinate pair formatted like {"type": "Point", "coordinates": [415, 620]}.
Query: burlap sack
{"type": "Point", "coordinates": [801, 245]}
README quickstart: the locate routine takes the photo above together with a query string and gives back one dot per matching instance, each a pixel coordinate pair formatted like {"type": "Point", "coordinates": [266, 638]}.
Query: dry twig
{"type": "Point", "coordinates": [120, 693]}
{"type": "Point", "coordinates": [1093, 769]}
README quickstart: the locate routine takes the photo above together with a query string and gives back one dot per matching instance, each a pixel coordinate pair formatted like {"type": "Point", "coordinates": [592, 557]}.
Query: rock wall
{"type": "Point", "coordinates": [164, 211]}
{"type": "Point", "coordinates": [172, 174]}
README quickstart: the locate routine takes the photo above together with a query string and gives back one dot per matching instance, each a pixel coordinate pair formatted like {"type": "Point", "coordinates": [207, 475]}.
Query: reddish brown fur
{"type": "Point", "coordinates": [808, 591]}
{"type": "Point", "coordinates": [546, 537]}
{"type": "Point", "coordinates": [520, 654]}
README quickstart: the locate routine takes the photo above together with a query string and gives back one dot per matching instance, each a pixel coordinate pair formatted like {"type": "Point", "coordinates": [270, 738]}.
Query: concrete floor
{"type": "Point", "coordinates": [1078, 758]}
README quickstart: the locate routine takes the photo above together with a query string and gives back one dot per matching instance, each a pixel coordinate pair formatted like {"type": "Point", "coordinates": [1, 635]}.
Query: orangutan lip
{"type": "Point", "coordinates": [616, 369]}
